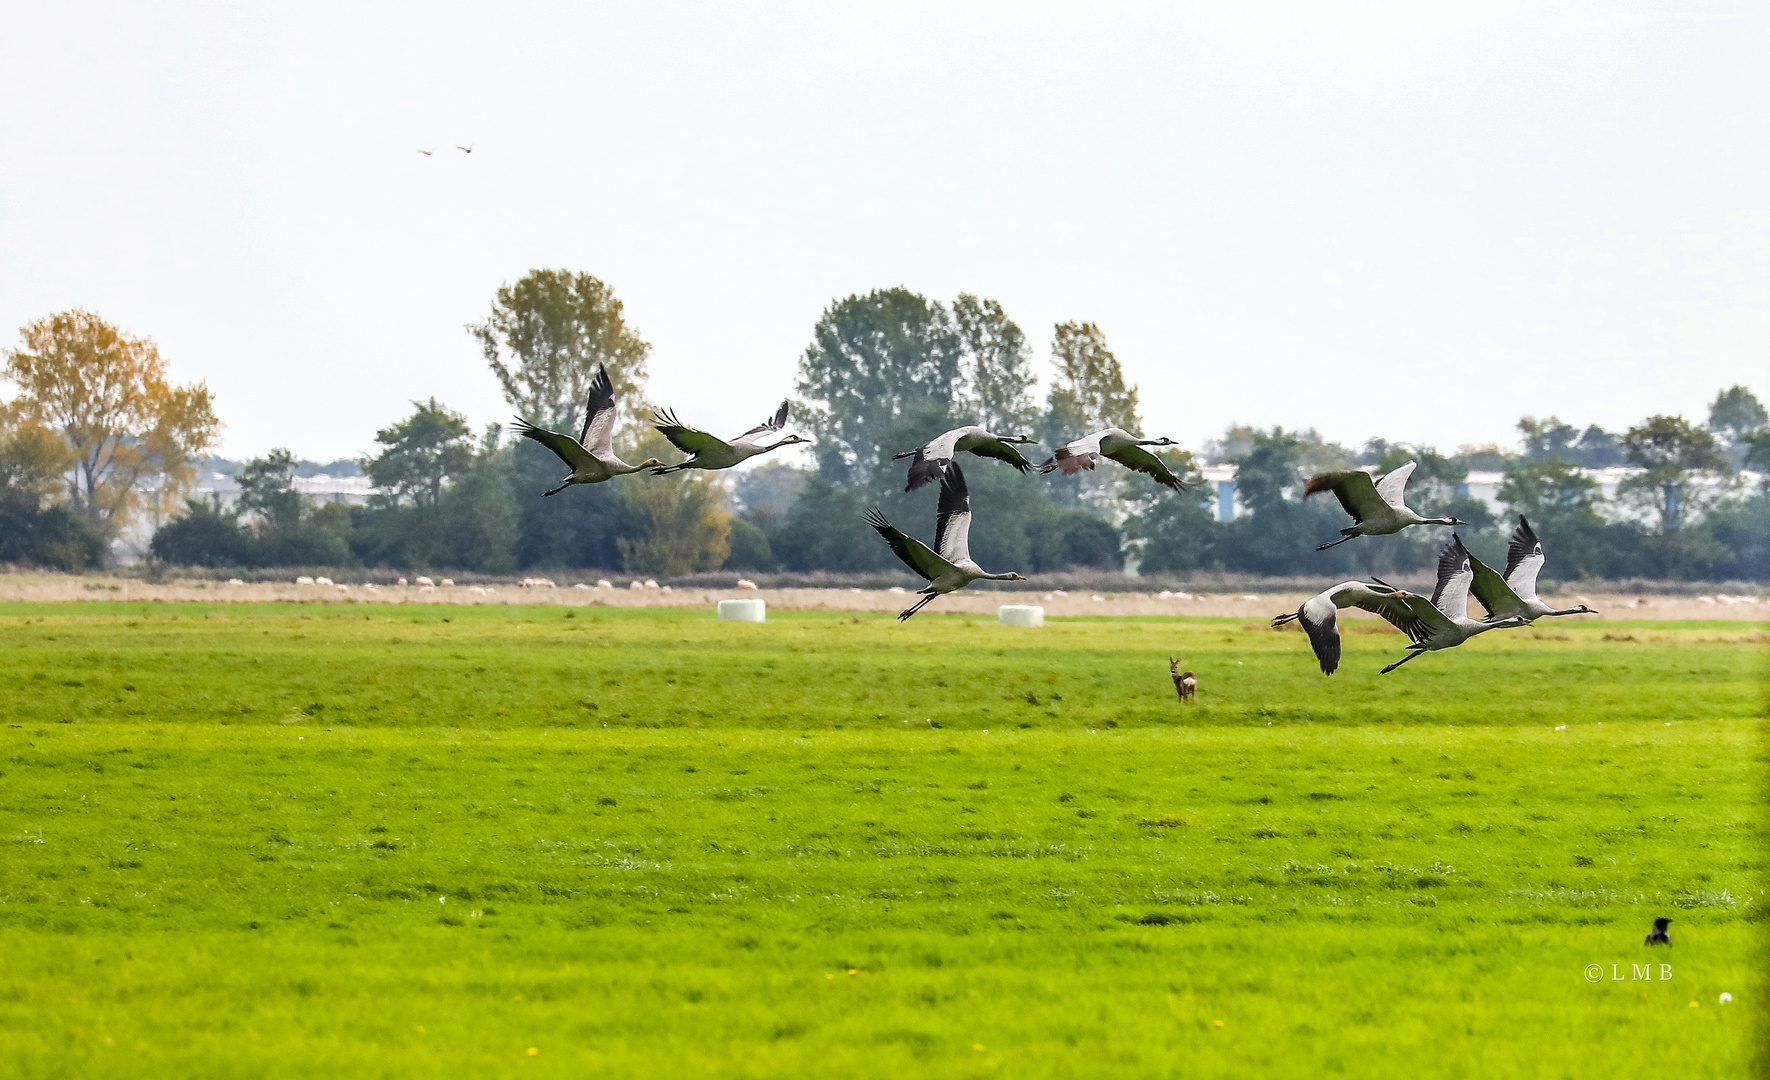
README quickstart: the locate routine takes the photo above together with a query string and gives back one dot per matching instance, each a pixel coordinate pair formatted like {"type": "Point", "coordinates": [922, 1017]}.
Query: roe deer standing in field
{"type": "Point", "coordinates": [1185, 682]}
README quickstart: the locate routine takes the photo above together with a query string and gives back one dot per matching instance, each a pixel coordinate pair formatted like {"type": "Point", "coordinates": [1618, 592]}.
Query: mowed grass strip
{"type": "Point", "coordinates": [331, 891]}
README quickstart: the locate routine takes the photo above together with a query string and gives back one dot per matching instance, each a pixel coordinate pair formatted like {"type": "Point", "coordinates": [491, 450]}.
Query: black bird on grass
{"type": "Point", "coordinates": [1658, 935]}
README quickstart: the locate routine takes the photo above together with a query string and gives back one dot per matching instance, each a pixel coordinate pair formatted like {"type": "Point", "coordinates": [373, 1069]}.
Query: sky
{"type": "Point", "coordinates": [1413, 221]}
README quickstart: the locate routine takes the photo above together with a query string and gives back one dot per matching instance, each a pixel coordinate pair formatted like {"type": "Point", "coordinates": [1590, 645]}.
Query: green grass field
{"type": "Point", "coordinates": [368, 841]}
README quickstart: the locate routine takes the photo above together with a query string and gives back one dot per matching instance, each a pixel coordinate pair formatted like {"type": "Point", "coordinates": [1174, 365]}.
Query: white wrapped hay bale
{"type": "Point", "coordinates": [1021, 615]}
{"type": "Point", "coordinates": [744, 610]}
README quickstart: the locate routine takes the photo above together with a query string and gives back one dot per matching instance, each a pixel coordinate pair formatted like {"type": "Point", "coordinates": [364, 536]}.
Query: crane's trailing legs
{"type": "Point", "coordinates": [920, 604]}
{"type": "Point", "coordinates": [1403, 660]}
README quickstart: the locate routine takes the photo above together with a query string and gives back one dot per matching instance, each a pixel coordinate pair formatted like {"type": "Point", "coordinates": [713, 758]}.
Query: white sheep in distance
{"type": "Point", "coordinates": [326, 581]}
{"type": "Point", "coordinates": [637, 586]}
{"type": "Point", "coordinates": [650, 584]}
{"type": "Point", "coordinates": [449, 581]}
{"type": "Point", "coordinates": [422, 580]}
{"type": "Point", "coordinates": [580, 585]}
{"type": "Point", "coordinates": [604, 583]}
{"type": "Point", "coordinates": [402, 581]}
{"type": "Point", "coordinates": [304, 580]}
{"type": "Point", "coordinates": [746, 583]}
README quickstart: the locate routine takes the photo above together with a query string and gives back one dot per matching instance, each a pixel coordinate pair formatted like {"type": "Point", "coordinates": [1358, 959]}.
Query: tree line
{"type": "Point", "coordinates": [98, 434]}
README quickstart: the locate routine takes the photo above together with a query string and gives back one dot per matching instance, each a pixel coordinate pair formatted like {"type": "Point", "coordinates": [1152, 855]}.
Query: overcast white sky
{"type": "Point", "coordinates": [1400, 220]}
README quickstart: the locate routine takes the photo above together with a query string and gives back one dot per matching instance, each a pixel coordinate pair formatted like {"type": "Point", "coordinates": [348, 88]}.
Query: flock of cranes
{"type": "Point", "coordinates": [1376, 505]}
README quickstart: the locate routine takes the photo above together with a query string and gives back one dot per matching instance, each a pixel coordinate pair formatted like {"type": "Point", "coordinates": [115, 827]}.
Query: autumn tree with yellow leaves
{"type": "Point", "coordinates": [125, 428]}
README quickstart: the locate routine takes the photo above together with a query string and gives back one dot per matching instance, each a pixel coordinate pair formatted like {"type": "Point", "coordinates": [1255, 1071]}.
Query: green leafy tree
{"type": "Point", "coordinates": [1672, 452]}
{"type": "Point", "coordinates": [267, 492]}
{"type": "Point", "coordinates": [882, 374]}
{"type": "Point", "coordinates": [420, 454]}
{"type": "Point", "coordinates": [1173, 533]}
{"type": "Point", "coordinates": [1565, 507]}
{"type": "Point", "coordinates": [286, 530]}
{"type": "Point", "coordinates": [1736, 412]}
{"type": "Point", "coordinates": [1737, 418]}
{"type": "Point", "coordinates": [997, 366]}
{"type": "Point", "coordinates": [1088, 391]}
{"type": "Point", "coordinates": [545, 338]}
{"type": "Point", "coordinates": [478, 513]}
{"type": "Point", "coordinates": [1553, 493]}
{"type": "Point", "coordinates": [1547, 438]}
{"type": "Point", "coordinates": [682, 523]}
{"type": "Point", "coordinates": [106, 394]}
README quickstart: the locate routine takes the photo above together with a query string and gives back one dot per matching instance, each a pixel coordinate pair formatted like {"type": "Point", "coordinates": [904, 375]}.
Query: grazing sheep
{"type": "Point", "coordinates": [422, 580]}
{"type": "Point", "coordinates": [426, 588]}
{"type": "Point", "coordinates": [235, 581]}
{"type": "Point", "coordinates": [746, 583]}
{"type": "Point", "coordinates": [580, 585]}
{"type": "Point", "coordinates": [637, 586]}
{"type": "Point", "coordinates": [304, 580]}
{"type": "Point", "coordinates": [1185, 682]}
{"type": "Point", "coordinates": [326, 581]}
{"type": "Point", "coordinates": [604, 583]}
{"type": "Point", "coordinates": [650, 584]}
{"type": "Point", "coordinates": [897, 590]}
{"type": "Point", "coordinates": [446, 581]}
{"type": "Point", "coordinates": [665, 589]}
{"type": "Point", "coordinates": [402, 581]}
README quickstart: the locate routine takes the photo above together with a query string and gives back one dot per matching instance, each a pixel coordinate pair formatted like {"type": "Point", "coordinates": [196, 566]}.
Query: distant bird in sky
{"type": "Point", "coordinates": [1185, 682]}
{"type": "Point", "coordinates": [592, 454]}
{"type": "Point", "coordinates": [427, 153]}
{"type": "Point", "coordinates": [710, 451]}
{"type": "Point", "coordinates": [1515, 594]}
{"type": "Point", "coordinates": [949, 566]}
{"type": "Point", "coordinates": [931, 457]}
{"type": "Point", "coordinates": [1658, 935]}
{"type": "Point", "coordinates": [466, 149]}
{"type": "Point", "coordinates": [1376, 506]}
{"type": "Point", "coordinates": [1119, 445]}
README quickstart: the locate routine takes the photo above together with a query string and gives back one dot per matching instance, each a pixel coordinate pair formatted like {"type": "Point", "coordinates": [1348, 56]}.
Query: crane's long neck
{"type": "Point", "coordinates": [1440, 521]}
{"type": "Point", "coordinates": [1003, 577]}
{"type": "Point", "coordinates": [778, 445]}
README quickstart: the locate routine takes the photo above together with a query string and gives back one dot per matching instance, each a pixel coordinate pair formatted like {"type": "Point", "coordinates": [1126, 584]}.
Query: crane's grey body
{"type": "Point", "coordinates": [1319, 615]}
{"type": "Point", "coordinates": [591, 455]}
{"type": "Point", "coordinates": [1376, 506]}
{"type": "Point", "coordinates": [1439, 623]}
{"type": "Point", "coordinates": [948, 567]}
{"type": "Point", "coordinates": [1119, 445]}
{"type": "Point", "coordinates": [1515, 593]}
{"type": "Point", "coordinates": [932, 457]}
{"type": "Point", "coordinates": [711, 452]}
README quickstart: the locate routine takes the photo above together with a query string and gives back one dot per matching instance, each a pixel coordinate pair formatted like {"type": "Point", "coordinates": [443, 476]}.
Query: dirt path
{"type": "Point", "coordinates": [55, 587]}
